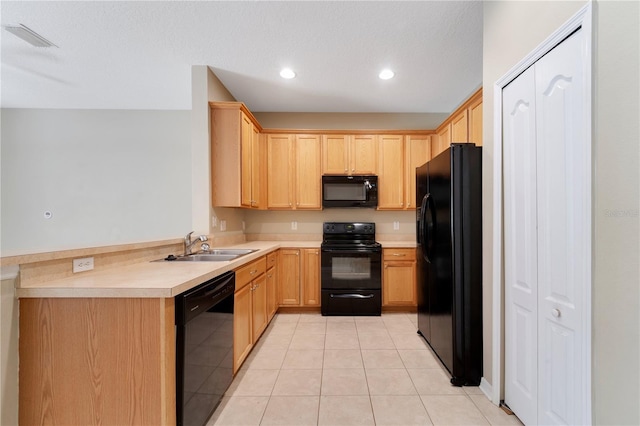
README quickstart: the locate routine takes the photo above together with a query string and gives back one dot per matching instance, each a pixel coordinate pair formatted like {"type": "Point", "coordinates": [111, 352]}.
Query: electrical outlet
{"type": "Point", "coordinates": [214, 221]}
{"type": "Point", "coordinates": [294, 225]}
{"type": "Point", "coordinates": [244, 226]}
{"type": "Point", "coordinates": [223, 225]}
{"type": "Point", "coordinates": [84, 264]}
{"type": "Point", "coordinates": [396, 225]}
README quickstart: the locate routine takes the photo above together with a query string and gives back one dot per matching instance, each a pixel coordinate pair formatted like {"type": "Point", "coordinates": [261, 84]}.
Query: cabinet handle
{"type": "Point", "coordinates": [297, 253]}
{"type": "Point", "coordinates": [402, 204]}
{"type": "Point", "coordinates": [253, 272]}
{"type": "Point", "coordinates": [298, 203]}
{"type": "Point", "coordinates": [399, 254]}
{"type": "Point", "coordinates": [346, 170]}
{"type": "Point", "coordinates": [269, 275]}
{"type": "Point", "coordinates": [353, 170]}
{"type": "Point", "coordinates": [556, 313]}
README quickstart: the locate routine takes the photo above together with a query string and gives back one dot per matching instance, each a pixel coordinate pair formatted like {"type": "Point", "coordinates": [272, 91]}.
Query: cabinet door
{"type": "Point", "coordinates": [459, 128]}
{"type": "Point", "coordinates": [311, 277]}
{"type": "Point", "coordinates": [246, 164]}
{"type": "Point", "coordinates": [308, 173]}
{"type": "Point", "coordinates": [289, 277]}
{"type": "Point", "coordinates": [259, 317]}
{"type": "Point", "coordinates": [475, 122]}
{"type": "Point", "coordinates": [418, 152]}
{"type": "Point", "coordinates": [444, 140]}
{"type": "Point", "coordinates": [257, 168]}
{"type": "Point", "coordinates": [272, 292]}
{"type": "Point", "coordinates": [399, 284]}
{"type": "Point", "coordinates": [280, 171]}
{"type": "Point", "coordinates": [335, 154]}
{"type": "Point", "coordinates": [391, 172]}
{"type": "Point", "coordinates": [242, 337]}
{"type": "Point", "coordinates": [363, 155]}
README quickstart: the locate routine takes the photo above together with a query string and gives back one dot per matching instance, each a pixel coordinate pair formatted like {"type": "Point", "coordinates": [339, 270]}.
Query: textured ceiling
{"type": "Point", "coordinates": [138, 55]}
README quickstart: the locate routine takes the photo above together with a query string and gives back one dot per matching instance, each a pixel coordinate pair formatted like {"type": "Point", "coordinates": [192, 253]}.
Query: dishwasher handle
{"type": "Point", "coordinates": [197, 300]}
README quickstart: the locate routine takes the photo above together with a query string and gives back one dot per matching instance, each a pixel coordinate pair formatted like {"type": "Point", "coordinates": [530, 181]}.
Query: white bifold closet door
{"type": "Point", "coordinates": [546, 236]}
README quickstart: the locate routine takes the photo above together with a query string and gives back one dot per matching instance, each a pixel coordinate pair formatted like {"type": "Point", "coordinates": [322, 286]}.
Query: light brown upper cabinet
{"type": "Point", "coordinates": [475, 121]}
{"type": "Point", "coordinates": [391, 172]}
{"type": "Point", "coordinates": [349, 154]}
{"type": "Point", "coordinates": [237, 157]}
{"type": "Point", "coordinates": [459, 127]}
{"type": "Point", "coordinates": [463, 125]}
{"type": "Point", "coordinates": [398, 158]}
{"type": "Point", "coordinates": [444, 139]}
{"type": "Point", "coordinates": [418, 152]}
{"type": "Point", "coordinates": [293, 171]}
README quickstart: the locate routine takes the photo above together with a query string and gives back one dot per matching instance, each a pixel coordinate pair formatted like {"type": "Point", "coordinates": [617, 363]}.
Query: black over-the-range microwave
{"type": "Point", "coordinates": [349, 191]}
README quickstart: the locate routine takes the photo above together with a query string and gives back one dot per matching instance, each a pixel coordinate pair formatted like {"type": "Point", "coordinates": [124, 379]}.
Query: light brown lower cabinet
{"type": "Point", "coordinates": [399, 277]}
{"type": "Point", "coordinates": [299, 277]}
{"type": "Point", "coordinates": [250, 317]}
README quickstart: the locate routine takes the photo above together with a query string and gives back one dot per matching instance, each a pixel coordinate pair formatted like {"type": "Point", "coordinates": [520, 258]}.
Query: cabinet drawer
{"type": "Point", "coordinates": [399, 254]}
{"type": "Point", "coordinates": [250, 272]}
{"type": "Point", "coordinates": [271, 260]}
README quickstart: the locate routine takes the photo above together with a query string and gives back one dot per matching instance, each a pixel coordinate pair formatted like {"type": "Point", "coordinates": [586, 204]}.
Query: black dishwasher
{"type": "Point", "coordinates": [204, 348]}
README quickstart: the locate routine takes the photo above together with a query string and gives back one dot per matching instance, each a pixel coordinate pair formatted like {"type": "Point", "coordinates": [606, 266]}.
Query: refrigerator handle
{"type": "Point", "coordinates": [428, 222]}
{"type": "Point", "coordinates": [421, 216]}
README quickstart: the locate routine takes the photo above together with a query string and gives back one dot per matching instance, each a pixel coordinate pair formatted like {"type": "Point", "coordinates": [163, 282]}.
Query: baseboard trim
{"type": "Point", "coordinates": [487, 390]}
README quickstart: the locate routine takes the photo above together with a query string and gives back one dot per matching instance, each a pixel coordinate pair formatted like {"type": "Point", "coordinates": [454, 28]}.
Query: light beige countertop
{"type": "Point", "coordinates": [158, 279]}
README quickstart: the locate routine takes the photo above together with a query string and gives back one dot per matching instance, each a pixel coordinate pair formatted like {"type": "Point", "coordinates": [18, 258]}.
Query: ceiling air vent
{"type": "Point", "coordinates": [28, 35]}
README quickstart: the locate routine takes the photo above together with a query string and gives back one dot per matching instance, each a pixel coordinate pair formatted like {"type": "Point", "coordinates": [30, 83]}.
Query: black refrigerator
{"type": "Point", "coordinates": [449, 259]}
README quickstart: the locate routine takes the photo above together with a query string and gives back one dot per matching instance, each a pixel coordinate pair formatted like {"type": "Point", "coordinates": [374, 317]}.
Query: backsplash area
{"type": "Point", "coordinates": [309, 223]}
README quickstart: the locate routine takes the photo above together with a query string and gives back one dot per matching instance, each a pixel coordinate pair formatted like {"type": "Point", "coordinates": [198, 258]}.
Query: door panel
{"type": "Point", "coordinates": [547, 190]}
{"type": "Point", "coordinates": [563, 198]}
{"type": "Point", "coordinates": [520, 245]}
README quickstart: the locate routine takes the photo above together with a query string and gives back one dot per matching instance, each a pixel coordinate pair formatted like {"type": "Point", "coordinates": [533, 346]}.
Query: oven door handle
{"type": "Point", "coordinates": [366, 250]}
{"type": "Point", "coordinates": [351, 296]}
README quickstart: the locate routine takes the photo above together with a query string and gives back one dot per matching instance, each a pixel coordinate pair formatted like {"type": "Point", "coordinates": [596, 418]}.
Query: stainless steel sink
{"type": "Point", "coordinates": [216, 255]}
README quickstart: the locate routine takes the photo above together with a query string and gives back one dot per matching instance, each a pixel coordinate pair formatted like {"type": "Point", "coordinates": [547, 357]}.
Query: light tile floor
{"type": "Point", "coordinates": [312, 370]}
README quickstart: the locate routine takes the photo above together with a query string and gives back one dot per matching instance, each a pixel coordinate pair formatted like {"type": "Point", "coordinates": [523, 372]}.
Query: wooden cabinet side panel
{"type": "Point", "coordinates": [311, 277]}
{"type": "Point", "coordinates": [96, 361]}
{"type": "Point", "coordinates": [225, 157]}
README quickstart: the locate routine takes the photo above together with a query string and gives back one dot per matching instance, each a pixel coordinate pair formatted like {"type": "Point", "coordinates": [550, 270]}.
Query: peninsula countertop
{"type": "Point", "coordinates": [158, 279]}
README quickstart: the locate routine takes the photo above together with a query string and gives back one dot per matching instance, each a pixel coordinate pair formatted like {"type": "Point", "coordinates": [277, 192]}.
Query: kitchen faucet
{"type": "Point", "coordinates": [188, 244]}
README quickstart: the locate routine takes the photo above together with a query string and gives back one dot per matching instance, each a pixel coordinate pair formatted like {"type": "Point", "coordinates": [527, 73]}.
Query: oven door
{"type": "Point", "coordinates": [351, 268]}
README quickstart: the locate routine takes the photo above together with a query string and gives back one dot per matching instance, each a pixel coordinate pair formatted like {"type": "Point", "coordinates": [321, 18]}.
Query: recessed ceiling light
{"type": "Point", "coordinates": [287, 73]}
{"type": "Point", "coordinates": [28, 35]}
{"type": "Point", "coordinates": [386, 74]}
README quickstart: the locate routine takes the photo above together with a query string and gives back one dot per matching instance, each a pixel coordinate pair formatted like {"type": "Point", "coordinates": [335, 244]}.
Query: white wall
{"type": "Point", "coordinates": [107, 177]}
{"type": "Point", "coordinates": [513, 29]}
